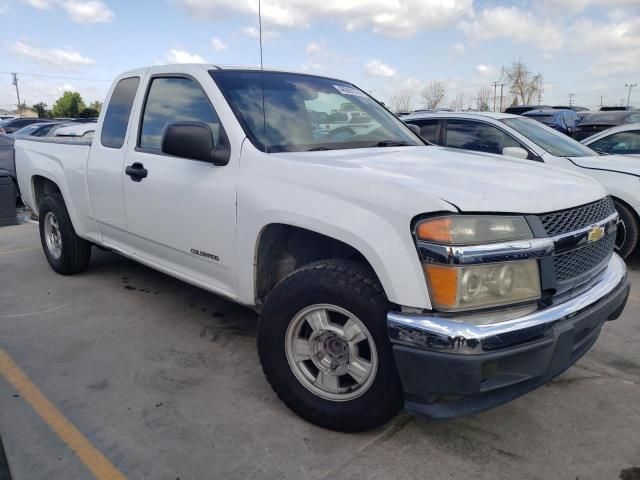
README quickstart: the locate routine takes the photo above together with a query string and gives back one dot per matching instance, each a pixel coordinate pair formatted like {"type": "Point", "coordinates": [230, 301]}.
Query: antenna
{"type": "Point", "coordinates": [264, 112]}
{"type": "Point", "coordinates": [260, 26]}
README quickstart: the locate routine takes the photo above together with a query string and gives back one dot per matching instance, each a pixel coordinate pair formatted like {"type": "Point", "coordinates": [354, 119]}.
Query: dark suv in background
{"type": "Point", "coordinates": [595, 122]}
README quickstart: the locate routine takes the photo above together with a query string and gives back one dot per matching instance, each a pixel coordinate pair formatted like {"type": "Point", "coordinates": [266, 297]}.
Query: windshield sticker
{"type": "Point", "coordinates": [349, 90]}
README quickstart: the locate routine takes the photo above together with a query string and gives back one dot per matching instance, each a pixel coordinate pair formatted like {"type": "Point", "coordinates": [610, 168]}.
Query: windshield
{"type": "Point", "coordinates": [556, 143]}
{"type": "Point", "coordinates": [303, 113]}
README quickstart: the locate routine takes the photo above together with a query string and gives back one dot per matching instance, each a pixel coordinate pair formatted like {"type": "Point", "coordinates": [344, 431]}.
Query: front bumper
{"type": "Point", "coordinates": [450, 368]}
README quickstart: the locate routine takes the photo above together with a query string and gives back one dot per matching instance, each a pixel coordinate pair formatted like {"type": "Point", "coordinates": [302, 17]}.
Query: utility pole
{"type": "Point", "coordinates": [539, 97]}
{"type": "Point", "coordinates": [630, 86]}
{"type": "Point", "coordinates": [495, 85]}
{"type": "Point", "coordinates": [571, 95]}
{"type": "Point", "coordinates": [600, 101]}
{"type": "Point", "coordinates": [501, 87]}
{"type": "Point", "coordinates": [15, 82]}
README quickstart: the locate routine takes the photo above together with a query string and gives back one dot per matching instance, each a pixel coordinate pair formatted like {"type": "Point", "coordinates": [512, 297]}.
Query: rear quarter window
{"type": "Point", "coordinates": [116, 120]}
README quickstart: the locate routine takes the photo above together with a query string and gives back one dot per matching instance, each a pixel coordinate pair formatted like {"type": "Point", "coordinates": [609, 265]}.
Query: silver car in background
{"type": "Point", "coordinates": [525, 138]}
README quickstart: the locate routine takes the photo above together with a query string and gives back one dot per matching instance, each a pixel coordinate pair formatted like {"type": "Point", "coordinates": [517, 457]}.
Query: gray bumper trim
{"type": "Point", "coordinates": [435, 333]}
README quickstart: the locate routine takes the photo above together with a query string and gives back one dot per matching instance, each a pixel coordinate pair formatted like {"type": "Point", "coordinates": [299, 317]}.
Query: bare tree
{"type": "Point", "coordinates": [458, 102]}
{"type": "Point", "coordinates": [483, 98]}
{"type": "Point", "coordinates": [522, 83]}
{"type": "Point", "coordinates": [401, 101]}
{"type": "Point", "coordinates": [434, 93]}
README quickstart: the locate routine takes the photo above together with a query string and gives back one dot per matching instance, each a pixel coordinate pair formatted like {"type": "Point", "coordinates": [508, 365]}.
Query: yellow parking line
{"type": "Point", "coordinates": [97, 463]}
{"type": "Point", "coordinates": [20, 250]}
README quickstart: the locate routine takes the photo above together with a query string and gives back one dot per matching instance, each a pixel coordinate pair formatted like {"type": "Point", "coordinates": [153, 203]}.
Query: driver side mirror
{"type": "Point", "coordinates": [515, 152]}
{"type": "Point", "coordinates": [194, 140]}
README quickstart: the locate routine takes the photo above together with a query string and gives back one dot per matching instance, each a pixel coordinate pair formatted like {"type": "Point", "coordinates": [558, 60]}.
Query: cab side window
{"type": "Point", "coordinates": [428, 129]}
{"type": "Point", "coordinates": [174, 99]}
{"type": "Point", "coordinates": [479, 137]}
{"type": "Point", "coordinates": [116, 120]}
{"type": "Point", "coordinates": [623, 142]}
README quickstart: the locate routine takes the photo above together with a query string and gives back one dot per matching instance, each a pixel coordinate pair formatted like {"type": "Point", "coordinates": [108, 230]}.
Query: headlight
{"type": "Point", "coordinates": [477, 286]}
{"type": "Point", "coordinates": [472, 229]}
{"type": "Point", "coordinates": [468, 287]}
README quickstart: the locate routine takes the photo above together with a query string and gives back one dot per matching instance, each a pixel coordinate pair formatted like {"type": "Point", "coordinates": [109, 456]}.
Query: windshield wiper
{"type": "Point", "coordinates": [318, 149]}
{"type": "Point", "coordinates": [391, 143]}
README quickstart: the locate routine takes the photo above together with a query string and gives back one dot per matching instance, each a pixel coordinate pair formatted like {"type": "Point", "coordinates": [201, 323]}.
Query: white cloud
{"type": "Point", "coordinates": [314, 48]}
{"type": "Point", "coordinates": [516, 24]}
{"type": "Point", "coordinates": [62, 59]}
{"type": "Point", "coordinates": [4, 7]}
{"type": "Point", "coordinates": [487, 71]}
{"type": "Point", "coordinates": [324, 60]}
{"type": "Point", "coordinates": [316, 56]}
{"type": "Point", "coordinates": [399, 18]}
{"type": "Point", "coordinates": [458, 48]}
{"type": "Point", "coordinates": [80, 11]}
{"type": "Point", "coordinates": [178, 55]}
{"type": "Point", "coordinates": [40, 4]}
{"type": "Point", "coordinates": [615, 46]}
{"type": "Point", "coordinates": [579, 5]}
{"type": "Point", "coordinates": [92, 11]}
{"type": "Point", "coordinates": [376, 68]}
{"type": "Point", "coordinates": [253, 32]}
{"type": "Point", "coordinates": [218, 45]}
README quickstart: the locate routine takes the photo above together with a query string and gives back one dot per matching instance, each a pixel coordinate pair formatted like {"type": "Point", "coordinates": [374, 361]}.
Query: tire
{"type": "Point", "coordinates": [65, 251]}
{"type": "Point", "coordinates": [344, 288]}
{"type": "Point", "coordinates": [628, 231]}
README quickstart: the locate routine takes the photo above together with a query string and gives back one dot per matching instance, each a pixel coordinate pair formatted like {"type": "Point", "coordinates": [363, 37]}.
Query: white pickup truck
{"type": "Point", "coordinates": [387, 272]}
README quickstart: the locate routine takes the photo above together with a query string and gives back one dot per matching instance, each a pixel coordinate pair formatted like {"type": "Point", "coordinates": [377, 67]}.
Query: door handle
{"type": "Point", "coordinates": [136, 171]}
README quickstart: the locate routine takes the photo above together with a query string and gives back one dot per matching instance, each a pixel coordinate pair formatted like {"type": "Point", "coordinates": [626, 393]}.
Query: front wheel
{"type": "Point", "coordinates": [628, 230]}
{"type": "Point", "coordinates": [323, 345]}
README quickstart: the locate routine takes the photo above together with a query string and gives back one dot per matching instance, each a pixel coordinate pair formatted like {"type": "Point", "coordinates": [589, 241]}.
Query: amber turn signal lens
{"type": "Point", "coordinates": [435, 230]}
{"type": "Point", "coordinates": [443, 283]}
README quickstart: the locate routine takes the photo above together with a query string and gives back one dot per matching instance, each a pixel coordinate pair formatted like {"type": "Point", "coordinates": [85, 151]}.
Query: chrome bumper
{"type": "Point", "coordinates": [445, 335]}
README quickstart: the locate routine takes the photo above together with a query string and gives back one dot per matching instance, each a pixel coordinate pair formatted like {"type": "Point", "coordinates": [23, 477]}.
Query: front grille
{"type": "Point", "coordinates": [578, 262]}
{"type": "Point", "coordinates": [565, 221]}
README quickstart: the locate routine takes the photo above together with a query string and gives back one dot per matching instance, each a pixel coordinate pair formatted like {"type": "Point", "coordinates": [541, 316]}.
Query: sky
{"type": "Point", "coordinates": [589, 48]}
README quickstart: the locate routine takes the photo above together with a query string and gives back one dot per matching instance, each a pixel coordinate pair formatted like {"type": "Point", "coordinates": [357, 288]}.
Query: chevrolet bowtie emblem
{"type": "Point", "coordinates": [595, 234]}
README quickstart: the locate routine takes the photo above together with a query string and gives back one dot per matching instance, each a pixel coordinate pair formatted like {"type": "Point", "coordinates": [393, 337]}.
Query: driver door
{"type": "Point", "coordinates": [182, 214]}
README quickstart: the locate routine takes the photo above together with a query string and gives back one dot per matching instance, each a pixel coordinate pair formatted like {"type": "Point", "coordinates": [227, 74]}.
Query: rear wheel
{"type": "Point", "coordinates": [628, 230]}
{"type": "Point", "coordinates": [65, 251]}
{"type": "Point", "coordinates": [324, 347]}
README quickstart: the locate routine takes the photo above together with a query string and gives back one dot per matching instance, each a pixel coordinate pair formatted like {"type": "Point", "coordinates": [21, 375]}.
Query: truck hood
{"type": "Point", "coordinates": [611, 163]}
{"type": "Point", "coordinates": [412, 177]}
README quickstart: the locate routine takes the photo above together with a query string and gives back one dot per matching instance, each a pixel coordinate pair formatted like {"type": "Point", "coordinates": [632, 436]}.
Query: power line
{"type": "Point", "coordinates": [60, 77]}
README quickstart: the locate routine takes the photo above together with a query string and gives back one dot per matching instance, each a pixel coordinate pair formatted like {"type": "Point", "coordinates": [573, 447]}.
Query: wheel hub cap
{"type": "Point", "coordinates": [52, 235]}
{"type": "Point", "coordinates": [331, 352]}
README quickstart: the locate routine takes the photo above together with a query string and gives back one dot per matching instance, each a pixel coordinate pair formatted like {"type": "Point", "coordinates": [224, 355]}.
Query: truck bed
{"type": "Point", "coordinates": [63, 161]}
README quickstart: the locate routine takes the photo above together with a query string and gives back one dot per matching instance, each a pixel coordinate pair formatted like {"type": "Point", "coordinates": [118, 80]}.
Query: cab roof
{"type": "Point", "coordinates": [494, 115]}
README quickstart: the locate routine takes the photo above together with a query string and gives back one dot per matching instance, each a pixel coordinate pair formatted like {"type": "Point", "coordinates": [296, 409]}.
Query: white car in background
{"type": "Point", "coordinates": [521, 137]}
{"type": "Point", "coordinates": [84, 130]}
{"type": "Point", "coordinates": [622, 140]}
